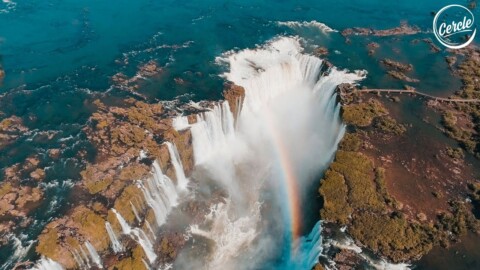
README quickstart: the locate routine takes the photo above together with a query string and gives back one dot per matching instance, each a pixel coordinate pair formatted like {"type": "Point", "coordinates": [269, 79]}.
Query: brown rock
{"type": "Point", "coordinates": [38, 174]}
{"type": "Point", "coordinates": [234, 94]}
{"type": "Point", "coordinates": [34, 161]}
{"type": "Point", "coordinates": [11, 129]}
{"type": "Point", "coordinates": [403, 29]}
{"type": "Point", "coordinates": [321, 51]}
{"type": "Point", "coordinates": [54, 153]}
{"type": "Point", "coordinates": [401, 76]}
{"type": "Point", "coordinates": [397, 65]}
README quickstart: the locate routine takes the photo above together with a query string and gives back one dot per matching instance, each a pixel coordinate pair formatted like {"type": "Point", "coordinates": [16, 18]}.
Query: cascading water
{"type": "Point", "coordinates": [284, 136]}
{"type": "Point", "coordinates": [182, 181]}
{"type": "Point", "coordinates": [93, 254]}
{"type": "Point", "coordinates": [308, 248]}
{"type": "Point", "coordinates": [116, 245]}
{"type": "Point", "coordinates": [138, 235]}
{"type": "Point", "coordinates": [180, 123]}
{"type": "Point", "coordinates": [135, 212]}
{"type": "Point", "coordinates": [160, 193]}
{"type": "Point", "coordinates": [47, 264]}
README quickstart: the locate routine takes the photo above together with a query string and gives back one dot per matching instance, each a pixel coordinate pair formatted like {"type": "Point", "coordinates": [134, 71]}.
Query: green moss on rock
{"type": "Point", "coordinates": [362, 114]}
{"type": "Point", "coordinates": [350, 142]}
{"type": "Point", "coordinates": [335, 193]}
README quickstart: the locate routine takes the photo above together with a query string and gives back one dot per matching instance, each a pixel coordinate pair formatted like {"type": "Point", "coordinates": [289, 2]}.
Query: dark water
{"type": "Point", "coordinates": [59, 57]}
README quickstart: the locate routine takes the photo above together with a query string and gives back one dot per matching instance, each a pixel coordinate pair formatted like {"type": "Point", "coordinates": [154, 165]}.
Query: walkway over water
{"type": "Point", "coordinates": [415, 92]}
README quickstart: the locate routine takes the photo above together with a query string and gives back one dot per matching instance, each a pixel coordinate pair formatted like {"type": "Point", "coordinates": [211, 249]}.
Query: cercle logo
{"type": "Point", "coordinates": [454, 26]}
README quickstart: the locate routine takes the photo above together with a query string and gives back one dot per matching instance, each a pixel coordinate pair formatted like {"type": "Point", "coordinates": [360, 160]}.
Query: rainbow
{"type": "Point", "coordinates": [289, 178]}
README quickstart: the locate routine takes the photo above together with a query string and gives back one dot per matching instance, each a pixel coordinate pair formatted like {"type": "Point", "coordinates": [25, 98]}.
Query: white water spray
{"type": "Point", "coordinates": [93, 254]}
{"type": "Point", "coordinates": [116, 245]}
{"type": "Point", "coordinates": [47, 264]}
{"type": "Point", "coordinates": [182, 181]}
{"type": "Point", "coordinates": [289, 115]}
{"type": "Point", "coordinates": [138, 235]}
{"type": "Point", "coordinates": [160, 193]}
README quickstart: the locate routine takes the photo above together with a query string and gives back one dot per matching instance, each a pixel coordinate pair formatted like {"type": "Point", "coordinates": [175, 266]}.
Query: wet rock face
{"type": "Point", "coordinates": [347, 260]}
{"type": "Point", "coordinates": [128, 139]}
{"type": "Point", "coordinates": [234, 94]}
{"type": "Point", "coordinates": [65, 236]}
{"type": "Point", "coordinates": [169, 246]}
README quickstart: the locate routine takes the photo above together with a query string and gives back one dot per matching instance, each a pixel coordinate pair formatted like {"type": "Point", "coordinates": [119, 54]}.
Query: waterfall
{"type": "Point", "coordinates": [126, 229]}
{"type": "Point", "coordinates": [182, 181]}
{"type": "Point", "coordinates": [212, 131]}
{"type": "Point", "coordinates": [285, 134]}
{"type": "Point", "coordinates": [308, 249]}
{"type": "Point", "coordinates": [347, 243]}
{"type": "Point", "coordinates": [149, 227]}
{"type": "Point", "coordinates": [138, 235]}
{"type": "Point", "coordinates": [84, 258]}
{"type": "Point", "coordinates": [93, 254]}
{"type": "Point", "coordinates": [180, 123]}
{"type": "Point", "coordinates": [160, 193]}
{"type": "Point", "coordinates": [116, 245]}
{"type": "Point", "coordinates": [135, 212]}
{"type": "Point", "coordinates": [47, 264]}
{"type": "Point", "coordinates": [80, 260]}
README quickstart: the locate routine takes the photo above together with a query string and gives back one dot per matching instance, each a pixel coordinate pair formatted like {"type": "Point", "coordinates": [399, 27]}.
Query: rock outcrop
{"type": "Point", "coordinates": [234, 94]}
{"type": "Point", "coordinates": [128, 139]}
{"type": "Point", "coordinates": [403, 29]}
{"type": "Point", "coordinates": [11, 129]}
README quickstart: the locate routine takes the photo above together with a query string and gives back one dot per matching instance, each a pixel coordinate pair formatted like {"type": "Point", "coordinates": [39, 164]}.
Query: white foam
{"type": "Point", "coordinates": [20, 249]}
{"type": "Point", "coordinates": [180, 123]}
{"type": "Point", "coordinates": [311, 24]}
{"type": "Point", "coordinates": [47, 264]}
{"type": "Point", "coordinates": [138, 235]}
{"type": "Point", "coordinates": [93, 254]}
{"type": "Point", "coordinates": [230, 235]}
{"type": "Point", "coordinates": [116, 245]}
{"type": "Point", "coordinates": [289, 106]}
{"type": "Point", "coordinates": [182, 180]}
{"type": "Point", "coordinates": [160, 193]}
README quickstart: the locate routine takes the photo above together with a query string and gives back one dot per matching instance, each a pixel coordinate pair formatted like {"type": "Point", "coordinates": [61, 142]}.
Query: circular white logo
{"type": "Point", "coordinates": [454, 26]}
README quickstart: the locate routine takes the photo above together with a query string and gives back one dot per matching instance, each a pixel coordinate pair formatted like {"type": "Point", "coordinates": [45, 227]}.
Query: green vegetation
{"type": "Point", "coordinates": [362, 114]}
{"type": "Point", "coordinates": [335, 193]}
{"type": "Point", "coordinates": [355, 194]}
{"type": "Point", "coordinates": [467, 134]}
{"type": "Point", "coordinates": [388, 125]}
{"type": "Point", "coordinates": [465, 137]}
{"type": "Point", "coordinates": [391, 235]}
{"type": "Point", "coordinates": [475, 188]}
{"type": "Point", "coordinates": [350, 142]}
{"type": "Point", "coordinates": [455, 153]}
{"type": "Point", "coordinates": [357, 169]}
